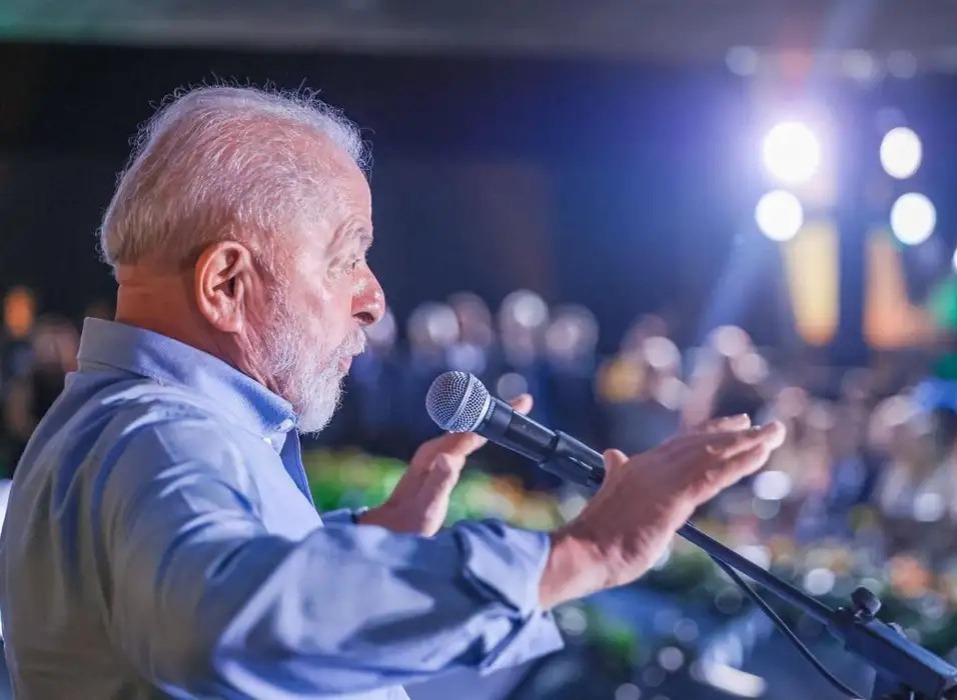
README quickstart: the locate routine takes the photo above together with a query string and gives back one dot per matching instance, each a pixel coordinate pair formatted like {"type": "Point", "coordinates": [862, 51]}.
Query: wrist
{"type": "Point", "coordinates": [575, 568]}
{"type": "Point", "coordinates": [372, 516]}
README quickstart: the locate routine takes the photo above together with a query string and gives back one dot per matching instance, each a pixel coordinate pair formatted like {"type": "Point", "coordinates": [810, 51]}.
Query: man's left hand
{"type": "Point", "coordinates": [420, 500]}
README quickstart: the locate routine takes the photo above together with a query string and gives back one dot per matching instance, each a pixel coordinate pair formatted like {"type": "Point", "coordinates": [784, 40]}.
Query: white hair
{"type": "Point", "coordinates": [219, 163]}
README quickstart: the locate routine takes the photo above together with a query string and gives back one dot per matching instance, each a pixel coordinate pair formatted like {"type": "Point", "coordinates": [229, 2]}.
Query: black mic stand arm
{"type": "Point", "coordinates": [905, 670]}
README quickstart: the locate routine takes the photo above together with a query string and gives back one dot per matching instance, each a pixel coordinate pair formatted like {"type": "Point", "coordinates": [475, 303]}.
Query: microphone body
{"type": "Point", "coordinates": [553, 450]}
{"type": "Point", "coordinates": [460, 403]}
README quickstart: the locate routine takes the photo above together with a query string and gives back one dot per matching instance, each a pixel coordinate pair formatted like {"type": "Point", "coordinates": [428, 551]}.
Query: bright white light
{"type": "Point", "coordinates": [819, 581]}
{"type": "Point", "coordinates": [954, 261]}
{"type": "Point", "coordinates": [742, 60]}
{"type": "Point", "coordinates": [671, 659]}
{"type": "Point", "coordinates": [732, 681]}
{"type": "Point", "coordinates": [771, 485]}
{"type": "Point", "coordinates": [511, 385]}
{"type": "Point", "coordinates": [792, 152]}
{"type": "Point", "coordinates": [756, 554]}
{"type": "Point", "coordinates": [779, 215]}
{"type": "Point", "coordinates": [913, 218]}
{"type": "Point", "coordinates": [628, 691]}
{"type": "Point", "coordinates": [901, 152]}
{"type": "Point", "coordinates": [572, 620]}
{"type": "Point", "coordinates": [929, 508]}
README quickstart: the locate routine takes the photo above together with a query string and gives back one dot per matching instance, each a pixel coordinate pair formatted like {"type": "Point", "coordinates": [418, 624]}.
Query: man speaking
{"type": "Point", "coordinates": [161, 540]}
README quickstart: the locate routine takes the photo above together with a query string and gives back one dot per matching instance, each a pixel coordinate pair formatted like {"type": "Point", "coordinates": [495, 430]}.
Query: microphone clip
{"type": "Point", "coordinates": [572, 460]}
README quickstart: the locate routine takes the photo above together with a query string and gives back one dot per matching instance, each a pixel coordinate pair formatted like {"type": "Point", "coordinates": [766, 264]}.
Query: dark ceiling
{"type": "Point", "coordinates": [656, 30]}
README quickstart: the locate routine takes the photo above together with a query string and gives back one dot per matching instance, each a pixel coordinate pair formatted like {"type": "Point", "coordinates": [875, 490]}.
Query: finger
{"type": "Point", "coordinates": [522, 403]}
{"type": "Point", "coordinates": [742, 421]}
{"type": "Point", "coordinates": [733, 470]}
{"type": "Point", "coordinates": [461, 444]}
{"type": "Point", "coordinates": [728, 444]}
{"type": "Point", "coordinates": [614, 459]}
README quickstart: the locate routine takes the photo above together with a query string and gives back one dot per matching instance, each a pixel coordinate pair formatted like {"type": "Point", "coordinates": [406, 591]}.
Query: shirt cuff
{"type": "Point", "coordinates": [535, 637]}
{"type": "Point", "coordinates": [505, 562]}
{"type": "Point", "coordinates": [343, 515]}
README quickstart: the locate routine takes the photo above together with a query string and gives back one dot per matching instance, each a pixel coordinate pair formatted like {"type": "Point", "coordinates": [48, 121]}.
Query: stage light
{"type": "Point", "coordinates": [913, 218]}
{"type": "Point", "coordinates": [901, 152]}
{"type": "Point", "coordinates": [792, 153]}
{"type": "Point", "coordinates": [779, 215]}
{"type": "Point", "coordinates": [954, 261]}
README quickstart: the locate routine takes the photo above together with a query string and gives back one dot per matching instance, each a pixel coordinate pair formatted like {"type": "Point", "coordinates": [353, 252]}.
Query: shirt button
{"type": "Point", "coordinates": [286, 425]}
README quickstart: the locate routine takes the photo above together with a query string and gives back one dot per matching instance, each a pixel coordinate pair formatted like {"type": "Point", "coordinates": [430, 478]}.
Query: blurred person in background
{"type": "Point", "coordinates": [369, 414]}
{"type": "Point", "coordinates": [474, 351]}
{"type": "Point", "coordinates": [432, 330]}
{"type": "Point", "coordinates": [19, 315]}
{"type": "Point", "coordinates": [644, 327]}
{"type": "Point", "coordinates": [30, 394]}
{"type": "Point", "coordinates": [520, 368]}
{"type": "Point", "coordinates": [855, 468]}
{"type": "Point", "coordinates": [522, 320]}
{"type": "Point", "coordinates": [641, 393]}
{"type": "Point", "coordinates": [812, 482]}
{"type": "Point", "coordinates": [571, 360]}
{"type": "Point", "coordinates": [790, 407]}
{"type": "Point", "coordinates": [729, 378]}
{"type": "Point", "coordinates": [161, 538]}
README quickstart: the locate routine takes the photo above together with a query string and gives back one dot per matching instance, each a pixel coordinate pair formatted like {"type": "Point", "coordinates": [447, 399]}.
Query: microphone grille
{"type": "Point", "coordinates": [457, 401]}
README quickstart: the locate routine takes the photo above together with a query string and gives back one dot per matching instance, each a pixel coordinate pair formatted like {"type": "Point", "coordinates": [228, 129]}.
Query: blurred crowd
{"type": "Point", "coordinates": [870, 454]}
{"type": "Point", "coordinates": [868, 449]}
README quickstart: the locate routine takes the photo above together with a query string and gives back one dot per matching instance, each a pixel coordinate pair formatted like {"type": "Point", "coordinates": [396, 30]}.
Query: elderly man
{"type": "Point", "coordinates": [161, 540]}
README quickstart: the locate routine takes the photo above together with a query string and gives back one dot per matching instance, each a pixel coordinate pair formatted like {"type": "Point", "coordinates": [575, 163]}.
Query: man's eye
{"type": "Point", "coordinates": [354, 264]}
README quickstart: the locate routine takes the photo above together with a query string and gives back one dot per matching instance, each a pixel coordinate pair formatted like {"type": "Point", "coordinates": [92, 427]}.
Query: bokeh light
{"type": "Point", "coordinates": [913, 218]}
{"type": "Point", "coordinates": [792, 153]}
{"type": "Point", "coordinates": [901, 152]}
{"type": "Point", "coordinates": [779, 215]}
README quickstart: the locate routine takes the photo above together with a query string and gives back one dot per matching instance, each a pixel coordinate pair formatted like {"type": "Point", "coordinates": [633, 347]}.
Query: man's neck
{"type": "Point", "coordinates": [160, 301]}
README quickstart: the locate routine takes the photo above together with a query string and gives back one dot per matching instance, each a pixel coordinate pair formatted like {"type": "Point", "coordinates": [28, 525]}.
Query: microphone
{"type": "Point", "coordinates": [459, 403]}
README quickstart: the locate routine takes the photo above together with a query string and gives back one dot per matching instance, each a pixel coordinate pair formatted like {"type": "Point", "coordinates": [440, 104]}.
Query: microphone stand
{"type": "Point", "coordinates": [905, 670]}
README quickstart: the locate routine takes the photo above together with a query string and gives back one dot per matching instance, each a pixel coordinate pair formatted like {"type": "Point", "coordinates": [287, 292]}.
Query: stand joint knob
{"type": "Point", "coordinates": [866, 604]}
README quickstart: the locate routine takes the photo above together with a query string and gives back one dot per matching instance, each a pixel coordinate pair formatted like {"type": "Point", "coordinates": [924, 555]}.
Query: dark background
{"type": "Point", "coordinates": [619, 184]}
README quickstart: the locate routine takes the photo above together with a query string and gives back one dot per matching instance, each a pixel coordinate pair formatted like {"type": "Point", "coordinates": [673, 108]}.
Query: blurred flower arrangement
{"type": "Point", "coordinates": [664, 629]}
{"type": "Point", "coordinates": [352, 479]}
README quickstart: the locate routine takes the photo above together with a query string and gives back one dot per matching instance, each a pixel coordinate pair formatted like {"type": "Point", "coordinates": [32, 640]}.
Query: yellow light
{"type": "Point", "coordinates": [811, 265]}
{"type": "Point", "coordinates": [890, 320]}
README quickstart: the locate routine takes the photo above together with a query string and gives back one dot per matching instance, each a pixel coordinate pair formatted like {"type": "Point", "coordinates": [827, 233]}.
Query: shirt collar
{"type": "Point", "coordinates": [169, 361]}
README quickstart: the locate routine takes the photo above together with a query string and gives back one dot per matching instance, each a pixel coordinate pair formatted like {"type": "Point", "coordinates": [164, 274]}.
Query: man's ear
{"type": "Point", "coordinates": [224, 284]}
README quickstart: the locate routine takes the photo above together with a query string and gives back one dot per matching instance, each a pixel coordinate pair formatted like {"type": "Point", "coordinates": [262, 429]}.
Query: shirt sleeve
{"type": "Point", "coordinates": [204, 600]}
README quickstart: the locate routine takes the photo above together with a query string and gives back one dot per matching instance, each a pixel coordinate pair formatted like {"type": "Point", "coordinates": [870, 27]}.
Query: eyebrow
{"type": "Point", "coordinates": [345, 238]}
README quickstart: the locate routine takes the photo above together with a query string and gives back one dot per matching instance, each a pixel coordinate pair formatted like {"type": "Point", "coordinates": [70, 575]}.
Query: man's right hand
{"type": "Point", "coordinates": [643, 500]}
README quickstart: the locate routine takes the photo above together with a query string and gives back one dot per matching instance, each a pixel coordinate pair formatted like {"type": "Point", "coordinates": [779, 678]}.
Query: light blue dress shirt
{"type": "Point", "coordinates": [161, 541]}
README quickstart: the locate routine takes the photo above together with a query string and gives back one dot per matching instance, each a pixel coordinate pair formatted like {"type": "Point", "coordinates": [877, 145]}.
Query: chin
{"type": "Point", "coordinates": [315, 422]}
{"type": "Point", "coordinates": [315, 413]}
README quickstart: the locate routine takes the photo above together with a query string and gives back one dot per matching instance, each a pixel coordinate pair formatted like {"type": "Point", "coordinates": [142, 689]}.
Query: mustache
{"type": "Point", "coordinates": [353, 345]}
